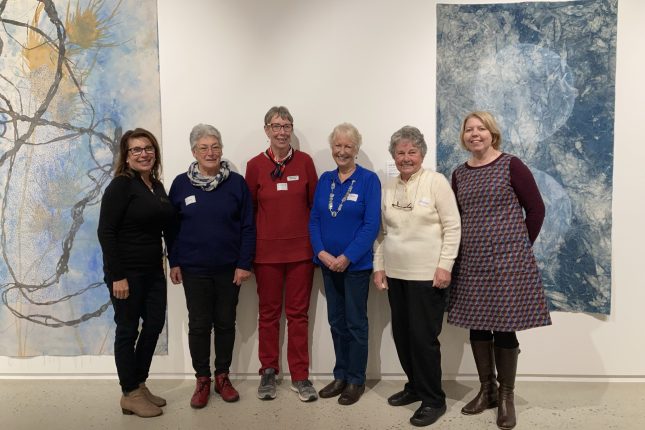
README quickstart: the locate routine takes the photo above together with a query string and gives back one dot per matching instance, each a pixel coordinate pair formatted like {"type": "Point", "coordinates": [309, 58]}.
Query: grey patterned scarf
{"type": "Point", "coordinates": [208, 183]}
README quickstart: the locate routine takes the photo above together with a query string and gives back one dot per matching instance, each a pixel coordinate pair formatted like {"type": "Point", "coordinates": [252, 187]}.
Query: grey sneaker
{"type": "Point", "coordinates": [266, 390]}
{"type": "Point", "coordinates": [305, 390]}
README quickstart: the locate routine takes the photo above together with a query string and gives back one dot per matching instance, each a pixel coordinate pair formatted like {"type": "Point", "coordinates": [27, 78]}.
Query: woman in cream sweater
{"type": "Point", "coordinates": [413, 258]}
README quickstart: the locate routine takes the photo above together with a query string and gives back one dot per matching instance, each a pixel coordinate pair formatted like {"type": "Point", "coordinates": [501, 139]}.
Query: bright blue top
{"type": "Point", "coordinates": [353, 231]}
{"type": "Point", "coordinates": [216, 228]}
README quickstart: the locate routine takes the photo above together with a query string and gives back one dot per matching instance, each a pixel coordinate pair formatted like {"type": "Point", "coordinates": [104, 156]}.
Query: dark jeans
{"type": "Point", "coordinates": [133, 349]}
{"type": "Point", "coordinates": [212, 303]}
{"type": "Point", "coordinates": [347, 313]}
{"type": "Point", "coordinates": [417, 318]}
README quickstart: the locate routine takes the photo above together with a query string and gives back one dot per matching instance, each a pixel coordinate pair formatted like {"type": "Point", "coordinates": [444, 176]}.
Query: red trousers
{"type": "Point", "coordinates": [296, 280]}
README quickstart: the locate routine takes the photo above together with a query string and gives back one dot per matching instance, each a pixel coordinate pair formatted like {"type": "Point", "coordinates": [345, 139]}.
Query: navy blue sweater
{"type": "Point", "coordinates": [216, 228]}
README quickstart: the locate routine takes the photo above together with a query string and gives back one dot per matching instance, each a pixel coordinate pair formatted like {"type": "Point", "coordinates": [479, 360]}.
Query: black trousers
{"type": "Point", "coordinates": [212, 304]}
{"type": "Point", "coordinates": [134, 348]}
{"type": "Point", "coordinates": [417, 317]}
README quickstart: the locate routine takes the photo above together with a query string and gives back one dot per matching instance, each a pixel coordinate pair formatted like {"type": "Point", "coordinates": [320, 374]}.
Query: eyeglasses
{"type": "Point", "coordinates": [137, 150]}
{"type": "Point", "coordinates": [277, 127]}
{"type": "Point", "coordinates": [405, 206]}
{"type": "Point", "coordinates": [204, 149]}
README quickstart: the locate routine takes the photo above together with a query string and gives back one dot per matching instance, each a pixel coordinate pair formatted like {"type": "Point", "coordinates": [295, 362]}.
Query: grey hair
{"type": "Point", "coordinates": [348, 130]}
{"type": "Point", "coordinates": [408, 133]}
{"type": "Point", "coordinates": [204, 130]}
{"type": "Point", "coordinates": [280, 111]}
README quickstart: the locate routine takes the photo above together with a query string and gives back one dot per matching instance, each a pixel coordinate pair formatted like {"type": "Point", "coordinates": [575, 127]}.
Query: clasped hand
{"type": "Point", "coordinates": [335, 264]}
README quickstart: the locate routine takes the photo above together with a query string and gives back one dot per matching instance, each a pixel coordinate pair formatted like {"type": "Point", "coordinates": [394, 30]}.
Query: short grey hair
{"type": "Point", "coordinates": [348, 130]}
{"type": "Point", "coordinates": [408, 133]}
{"type": "Point", "coordinates": [280, 111]}
{"type": "Point", "coordinates": [204, 130]}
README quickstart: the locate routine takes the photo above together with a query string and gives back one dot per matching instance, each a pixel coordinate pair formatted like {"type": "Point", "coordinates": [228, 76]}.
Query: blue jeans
{"type": "Point", "coordinates": [347, 313]}
{"type": "Point", "coordinates": [134, 348]}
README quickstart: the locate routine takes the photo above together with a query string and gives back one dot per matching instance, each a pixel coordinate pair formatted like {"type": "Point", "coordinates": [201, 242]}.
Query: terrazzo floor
{"type": "Point", "coordinates": [94, 404]}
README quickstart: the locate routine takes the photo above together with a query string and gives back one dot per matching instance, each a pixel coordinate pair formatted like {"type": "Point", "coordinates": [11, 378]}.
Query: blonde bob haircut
{"type": "Point", "coordinates": [489, 122]}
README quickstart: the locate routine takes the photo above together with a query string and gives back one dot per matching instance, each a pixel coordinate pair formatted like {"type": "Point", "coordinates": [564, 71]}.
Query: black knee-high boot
{"type": "Point", "coordinates": [485, 361]}
{"type": "Point", "coordinates": [506, 362]}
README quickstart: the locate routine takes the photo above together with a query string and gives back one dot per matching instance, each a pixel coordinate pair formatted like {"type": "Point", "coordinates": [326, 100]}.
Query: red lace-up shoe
{"type": "Point", "coordinates": [225, 389]}
{"type": "Point", "coordinates": [202, 391]}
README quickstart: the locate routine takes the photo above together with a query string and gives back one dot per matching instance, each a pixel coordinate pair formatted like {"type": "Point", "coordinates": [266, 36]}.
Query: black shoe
{"type": "Point", "coordinates": [351, 394]}
{"type": "Point", "coordinates": [426, 415]}
{"type": "Point", "coordinates": [333, 389]}
{"type": "Point", "coordinates": [403, 398]}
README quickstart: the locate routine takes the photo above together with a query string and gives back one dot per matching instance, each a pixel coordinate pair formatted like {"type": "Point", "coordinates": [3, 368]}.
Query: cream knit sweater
{"type": "Point", "coordinates": [413, 243]}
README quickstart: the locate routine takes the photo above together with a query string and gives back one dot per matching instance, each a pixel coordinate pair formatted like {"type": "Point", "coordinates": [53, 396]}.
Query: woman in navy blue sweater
{"type": "Point", "coordinates": [344, 223]}
{"type": "Point", "coordinates": [211, 254]}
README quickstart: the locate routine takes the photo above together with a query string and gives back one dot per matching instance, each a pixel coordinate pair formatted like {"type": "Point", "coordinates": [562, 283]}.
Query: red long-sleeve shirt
{"type": "Point", "coordinates": [282, 207]}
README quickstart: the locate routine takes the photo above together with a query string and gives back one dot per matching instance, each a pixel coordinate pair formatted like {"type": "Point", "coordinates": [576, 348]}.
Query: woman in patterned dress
{"type": "Point", "coordinates": [497, 289]}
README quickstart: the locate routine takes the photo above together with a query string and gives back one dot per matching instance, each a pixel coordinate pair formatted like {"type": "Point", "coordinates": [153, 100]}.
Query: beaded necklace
{"type": "Point", "coordinates": [334, 213]}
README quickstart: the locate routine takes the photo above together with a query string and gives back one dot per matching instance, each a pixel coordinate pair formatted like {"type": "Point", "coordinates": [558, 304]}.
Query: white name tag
{"type": "Point", "coordinates": [352, 197]}
{"type": "Point", "coordinates": [293, 178]}
{"type": "Point", "coordinates": [425, 202]}
{"type": "Point", "coordinates": [190, 200]}
{"type": "Point", "coordinates": [282, 186]}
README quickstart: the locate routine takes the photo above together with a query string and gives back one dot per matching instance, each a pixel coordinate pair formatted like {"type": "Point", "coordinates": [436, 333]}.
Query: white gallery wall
{"type": "Point", "coordinates": [372, 63]}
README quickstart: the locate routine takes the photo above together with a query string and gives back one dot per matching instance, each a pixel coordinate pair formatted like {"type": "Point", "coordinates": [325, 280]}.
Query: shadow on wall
{"type": "Point", "coordinates": [245, 357]}
{"type": "Point", "coordinates": [378, 312]}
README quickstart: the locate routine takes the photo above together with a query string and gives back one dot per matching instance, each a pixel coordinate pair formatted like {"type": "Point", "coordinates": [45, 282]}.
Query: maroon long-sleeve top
{"type": "Point", "coordinates": [528, 194]}
{"type": "Point", "coordinates": [282, 207]}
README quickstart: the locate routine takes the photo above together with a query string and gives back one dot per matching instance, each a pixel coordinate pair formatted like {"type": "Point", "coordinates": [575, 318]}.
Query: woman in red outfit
{"type": "Point", "coordinates": [282, 181]}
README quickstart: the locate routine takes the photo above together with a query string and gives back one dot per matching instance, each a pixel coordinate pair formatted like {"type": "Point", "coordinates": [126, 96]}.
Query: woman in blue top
{"type": "Point", "coordinates": [344, 223]}
{"type": "Point", "coordinates": [212, 255]}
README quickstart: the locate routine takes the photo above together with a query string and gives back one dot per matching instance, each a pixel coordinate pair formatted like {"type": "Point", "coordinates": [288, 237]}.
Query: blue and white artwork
{"type": "Point", "coordinates": [74, 75]}
{"type": "Point", "coordinates": [546, 71]}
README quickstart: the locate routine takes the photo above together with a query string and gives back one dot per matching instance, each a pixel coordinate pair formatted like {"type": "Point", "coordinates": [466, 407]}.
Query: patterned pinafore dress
{"type": "Point", "coordinates": [496, 282]}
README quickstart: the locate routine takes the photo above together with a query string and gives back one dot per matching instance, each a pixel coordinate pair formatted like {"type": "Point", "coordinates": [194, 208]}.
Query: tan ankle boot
{"type": "Point", "coordinates": [135, 402]}
{"type": "Point", "coordinates": [487, 396]}
{"type": "Point", "coordinates": [506, 361]}
{"type": "Point", "coordinates": [155, 400]}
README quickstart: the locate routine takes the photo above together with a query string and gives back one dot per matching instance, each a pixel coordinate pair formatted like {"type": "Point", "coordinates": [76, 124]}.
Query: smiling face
{"type": "Point", "coordinates": [145, 160]}
{"type": "Point", "coordinates": [344, 152]}
{"type": "Point", "coordinates": [280, 138]}
{"type": "Point", "coordinates": [408, 158]}
{"type": "Point", "coordinates": [476, 137]}
{"type": "Point", "coordinates": [208, 153]}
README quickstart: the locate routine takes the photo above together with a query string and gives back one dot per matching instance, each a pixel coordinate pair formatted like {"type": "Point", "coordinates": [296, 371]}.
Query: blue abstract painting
{"type": "Point", "coordinates": [546, 71]}
{"type": "Point", "coordinates": [74, 74]}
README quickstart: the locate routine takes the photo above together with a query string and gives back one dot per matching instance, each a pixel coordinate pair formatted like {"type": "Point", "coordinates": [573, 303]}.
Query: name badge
{"type": "Point", "coordinates": [425, 202]}
{"type": "Point", "coordinates": [352, 197]}
{"type": "Point", "coordinates": [282, 186]}
{"type": "Point", "coordinates": [190, 200]}
{"type": "Point", "coordinates": [293, 178]}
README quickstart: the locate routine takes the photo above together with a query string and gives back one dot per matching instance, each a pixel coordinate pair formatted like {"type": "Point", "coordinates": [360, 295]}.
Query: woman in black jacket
{"type": "Point", "coordinates": [135, 211]}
